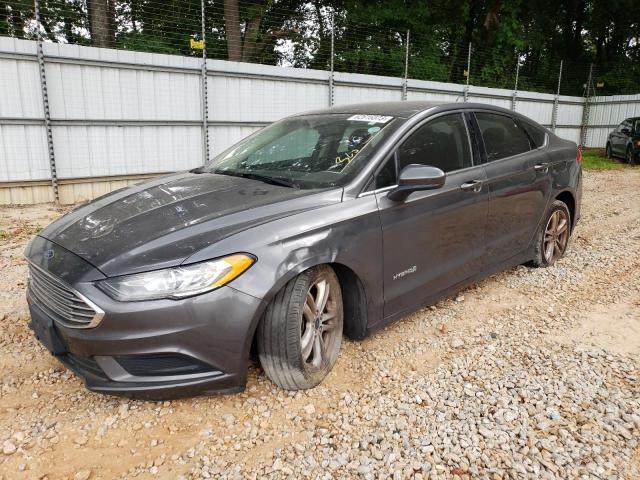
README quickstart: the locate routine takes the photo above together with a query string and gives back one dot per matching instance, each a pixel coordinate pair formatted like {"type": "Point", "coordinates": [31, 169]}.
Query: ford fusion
{"type": "Point", "coordinates": [324, 224]}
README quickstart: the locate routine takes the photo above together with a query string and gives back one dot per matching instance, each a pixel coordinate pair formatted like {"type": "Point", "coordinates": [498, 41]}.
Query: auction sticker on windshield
{"type": "Point", "coordinates": [370, 118]}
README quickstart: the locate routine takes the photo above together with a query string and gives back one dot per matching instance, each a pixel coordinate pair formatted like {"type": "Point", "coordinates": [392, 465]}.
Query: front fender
{"type": "Point", "coordinates": [348, 233]}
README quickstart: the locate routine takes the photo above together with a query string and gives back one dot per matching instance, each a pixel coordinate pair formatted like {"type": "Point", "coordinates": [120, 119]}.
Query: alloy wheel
{"type": "Point", "coordinates": [556, 236]}
{"type": "Point", "coordinates": [319, 332]}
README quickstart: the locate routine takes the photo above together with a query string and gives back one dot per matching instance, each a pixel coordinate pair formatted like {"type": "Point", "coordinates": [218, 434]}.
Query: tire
{"type": "Point", "coordinates": [289, 324]}
{"type": "Point", "coordinates": [631, 158]}
{"type": "Point", "coordinates": [609, 154]}
{"type": "Point", "coordinates": [545, 235]}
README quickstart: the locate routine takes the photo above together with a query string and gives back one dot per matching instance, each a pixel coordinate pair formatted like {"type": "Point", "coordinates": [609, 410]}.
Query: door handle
{"type": "Point", "coordinates": [541, 167]}
{"type": "Point", "coordinates": [474, 186]}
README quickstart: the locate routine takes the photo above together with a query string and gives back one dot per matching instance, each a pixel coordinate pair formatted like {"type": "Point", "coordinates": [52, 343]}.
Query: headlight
{"type": "Point", "coordinates": [178, 282]}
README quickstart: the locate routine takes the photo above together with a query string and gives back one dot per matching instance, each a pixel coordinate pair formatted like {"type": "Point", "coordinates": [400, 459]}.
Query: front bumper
{"type": "Point", "coordinates": [156, 349]}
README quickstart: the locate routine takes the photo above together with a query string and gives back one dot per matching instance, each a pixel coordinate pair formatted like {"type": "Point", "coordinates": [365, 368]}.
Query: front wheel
{"type": "Point", "coordinates": [553, 236]}
{"type": "Point", "coordinates": [608, 152]}
{"type": "Point", "coordinates": [300, 335]}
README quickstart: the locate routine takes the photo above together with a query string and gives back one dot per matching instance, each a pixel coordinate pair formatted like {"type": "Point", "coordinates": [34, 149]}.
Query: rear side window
{"type": "Point", "coordinates": [536, 134]}
{"type": "Point", "coordinates": [502, 136]}
{"type": "Point", "coordinates": [441, 143]}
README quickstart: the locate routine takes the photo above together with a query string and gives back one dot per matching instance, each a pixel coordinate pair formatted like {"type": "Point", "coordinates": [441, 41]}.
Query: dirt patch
{"type": "Point", "coordinates": [384, 391]}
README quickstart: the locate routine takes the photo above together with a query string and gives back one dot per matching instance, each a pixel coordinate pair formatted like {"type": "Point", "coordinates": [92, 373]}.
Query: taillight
{"type": "Point", "coordinates": [579, 156]}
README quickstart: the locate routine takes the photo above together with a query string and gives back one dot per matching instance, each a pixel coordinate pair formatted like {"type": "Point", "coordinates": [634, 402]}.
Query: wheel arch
{"type": "Point", "coordinates": [569, 200]}
{"type": "Point", "coordinates": [354, 301]}
{"type": "Point", "coordinates": [354, 297]}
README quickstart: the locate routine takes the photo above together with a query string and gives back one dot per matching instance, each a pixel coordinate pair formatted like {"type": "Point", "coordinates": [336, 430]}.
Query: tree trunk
{"type": "Point", "coordinates": [232, 29]}
{"type": "Point", "coordinates": [102, 23]}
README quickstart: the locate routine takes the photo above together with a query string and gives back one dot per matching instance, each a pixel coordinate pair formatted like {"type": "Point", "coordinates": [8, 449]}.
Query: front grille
{"type": "Point", "coordinates": [64, 304]}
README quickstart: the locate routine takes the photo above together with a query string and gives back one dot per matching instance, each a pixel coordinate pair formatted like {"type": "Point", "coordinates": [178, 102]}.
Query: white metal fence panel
{"type": "Point", "coordinates": [118, 112]}
{"type": "Point", "coordinates": [605, 113]}
{"type": "Point", "coordinates": [23, 145]}
{"type": "Point", "coordinates": [261, 100]}
{"type": "Point", "coordinates": [223, 136]}
{"type": "Point", "coordinates": [108, 150]}
{"type": "Point", "coordinates": [99, 93]}
{"type": "Point", "coordinates": [23, 153]}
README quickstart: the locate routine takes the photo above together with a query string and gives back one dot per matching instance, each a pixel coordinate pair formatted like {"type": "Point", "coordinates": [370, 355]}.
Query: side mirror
{"type": "Point", "coordinates": [414, 178]}
{"type": "Point", "coordinates": [626, 131]}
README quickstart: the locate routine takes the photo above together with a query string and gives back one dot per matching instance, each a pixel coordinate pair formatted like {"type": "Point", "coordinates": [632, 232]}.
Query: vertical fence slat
{"type": "Point", "coordinates": [45, 104]}
{"type": "Point", "coordinates": [406, 69]}
{"type": "Point", "coordinates": [584, 128]}
{"type": "Point", "coordinates": [204, 88]}
{"type": "Point", "coordinates": [466, 87]}
{"type": "Point", "coordinates": [556, 101]}
{"type": "Point", "coordinates": [331, 73]}
{"type": "Point", "coordinates": [515, 88]}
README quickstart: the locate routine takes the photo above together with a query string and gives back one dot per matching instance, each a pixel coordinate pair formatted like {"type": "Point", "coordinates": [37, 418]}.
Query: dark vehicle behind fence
{"type": "Point", "coordinates": [326, 223]}
{"type": "Point", "coordinates": [624, 141]}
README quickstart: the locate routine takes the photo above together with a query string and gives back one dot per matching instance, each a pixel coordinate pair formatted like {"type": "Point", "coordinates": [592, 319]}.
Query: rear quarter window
{"type": "Point", "coordinates": [536, 133]}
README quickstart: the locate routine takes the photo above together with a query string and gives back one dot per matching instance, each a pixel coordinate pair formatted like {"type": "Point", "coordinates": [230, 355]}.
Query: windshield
{"type": "Point", "coordinates": [311, 151]}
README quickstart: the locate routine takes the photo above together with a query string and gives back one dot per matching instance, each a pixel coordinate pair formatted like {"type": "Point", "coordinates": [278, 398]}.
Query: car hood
{"type": "Point", "coordinates": [160, 223]}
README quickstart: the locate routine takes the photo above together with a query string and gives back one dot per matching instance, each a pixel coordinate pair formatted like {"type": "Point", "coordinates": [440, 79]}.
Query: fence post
{"type": "Point", "coordinates": [45, 105]}
{"type": "Point", "coordinates": [331, 74]}
{"type": "Point", "coordinates": [556, 101]}
{"type": "Point", "coordinates": [204, 86]}
{"type": "Point", "coordinates": [585, 110]}
{"type": "Point", "coordinates": [466, 87]}
{"type": "Point", "coordinates": [406, 69]}
{"type": "Point", "coordinates": [515, 89]}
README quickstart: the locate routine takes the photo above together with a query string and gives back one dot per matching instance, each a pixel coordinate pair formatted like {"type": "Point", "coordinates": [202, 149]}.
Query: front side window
{"type": "Point", "coordinates": [502, 136]}
{"type": "Point", "coordinates": [442, 143]}
{"type": "Point", "coordinates": [625, 126]}
{"type": "Point", "coordinates": [310, 151]}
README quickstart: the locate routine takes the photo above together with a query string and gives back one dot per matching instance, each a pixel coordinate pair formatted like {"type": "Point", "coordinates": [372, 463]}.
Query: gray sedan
{"type": "Point", "coordinates": [326, 223]}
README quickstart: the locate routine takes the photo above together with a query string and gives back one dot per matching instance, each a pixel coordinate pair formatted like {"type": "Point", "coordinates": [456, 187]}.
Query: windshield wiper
{"type": "Point", "coordinates": [257, 176]}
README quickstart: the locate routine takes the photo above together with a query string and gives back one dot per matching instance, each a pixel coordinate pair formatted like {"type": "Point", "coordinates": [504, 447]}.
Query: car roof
{"type": "Point", "coordinates": [402, 109]}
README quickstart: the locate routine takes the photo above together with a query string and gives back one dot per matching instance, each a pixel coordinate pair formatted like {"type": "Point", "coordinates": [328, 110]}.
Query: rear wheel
{"type": "Point", "coordinates": [300, 335]}
{"type": "Point", "coordinates": [553, 236]}
{"type": "Point", "coordinates": [631, 158]}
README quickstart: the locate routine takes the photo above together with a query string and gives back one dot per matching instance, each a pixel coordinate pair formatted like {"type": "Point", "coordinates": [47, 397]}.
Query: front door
{"type": "Point", "coordinates": [434, 239]}
{"type": "Point", "coordinates": [519, 183]}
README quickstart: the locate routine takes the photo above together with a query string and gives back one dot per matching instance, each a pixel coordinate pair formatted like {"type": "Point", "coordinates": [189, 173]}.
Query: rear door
{"type": "Point", "coordinates": [518, 180]}
{"type": "Point", "coordinates": [434, 239]}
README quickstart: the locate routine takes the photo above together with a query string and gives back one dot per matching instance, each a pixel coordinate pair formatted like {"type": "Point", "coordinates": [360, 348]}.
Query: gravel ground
{"type": "Point", "coordinates": [529, 374]}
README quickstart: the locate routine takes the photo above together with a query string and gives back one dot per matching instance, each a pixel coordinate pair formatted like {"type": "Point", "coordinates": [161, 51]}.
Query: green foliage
{"type": "Point", "coordinates": [370, 36]}
{"type": "Point", "coordinates": [596, 160]}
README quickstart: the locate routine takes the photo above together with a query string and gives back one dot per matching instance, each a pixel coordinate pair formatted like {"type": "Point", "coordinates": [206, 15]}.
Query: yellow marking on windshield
{"type": "Point", "coordinates": [347, 157]}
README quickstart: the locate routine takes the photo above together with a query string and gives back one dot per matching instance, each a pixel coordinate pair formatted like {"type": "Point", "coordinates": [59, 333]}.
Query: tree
{"type": "Point", "coordinates": [102, 23]}
{"type": "Point", "coordinates": [252, 28]}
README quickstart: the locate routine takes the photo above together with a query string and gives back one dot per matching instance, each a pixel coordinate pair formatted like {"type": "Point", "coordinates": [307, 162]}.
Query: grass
{"type": "Point", "coordinates": [594, 159]}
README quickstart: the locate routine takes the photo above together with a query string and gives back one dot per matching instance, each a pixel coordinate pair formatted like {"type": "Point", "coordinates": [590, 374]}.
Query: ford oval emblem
{"type": "Point", "coordinates": [49, 254]}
